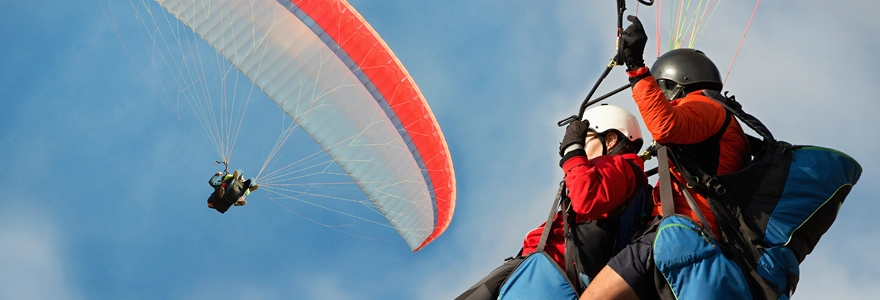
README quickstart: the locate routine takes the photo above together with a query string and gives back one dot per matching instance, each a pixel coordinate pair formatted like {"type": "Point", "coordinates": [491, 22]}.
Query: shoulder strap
{"type": "Point", "coordinates": [570, 258]}
{"type": "Point", "coordinates": [717, 136]}
{"type": "Point", "coordinates": [641, 181]}
{"type": "Point", "coordinates": [695, 176]}
{"type": "Point", "coordinates": [666, 182]}
{"type": "Point", "coordinates": [572, 261]}
{"type": "Point", "coordinates": [667, 205]}
{"type": "Point", "coordinates": [732, 106]}
{"type": "Point", "coordinates": [546, 233]}
{"type": "Point", "coordinates": [707, 228]}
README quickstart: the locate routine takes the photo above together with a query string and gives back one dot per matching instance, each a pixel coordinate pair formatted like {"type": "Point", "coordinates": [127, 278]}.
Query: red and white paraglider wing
{"type": "Point", "coordinates": [332, 73]}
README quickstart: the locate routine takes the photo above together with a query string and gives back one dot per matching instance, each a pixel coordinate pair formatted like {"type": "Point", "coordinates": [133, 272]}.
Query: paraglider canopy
{"type": "Point", "coordinates": [331, 73]}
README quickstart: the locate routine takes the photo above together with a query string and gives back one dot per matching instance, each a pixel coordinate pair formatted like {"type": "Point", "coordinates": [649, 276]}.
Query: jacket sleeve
{"type": "Point", "coordinates": [215, 181]}
{"type": "Point", "coordinates": [694, 119]}
{"type": "Point", "coordinates": [596, 187]}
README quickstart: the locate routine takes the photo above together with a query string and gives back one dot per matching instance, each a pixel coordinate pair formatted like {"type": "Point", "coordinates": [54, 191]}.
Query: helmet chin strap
{"type": "Point", "coordinates": [616, 148]}
{"type": "Point", "coordinates": [601, 138]}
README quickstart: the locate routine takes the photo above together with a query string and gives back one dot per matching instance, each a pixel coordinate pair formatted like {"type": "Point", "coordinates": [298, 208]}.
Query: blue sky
{"type": "Point", "coordinates": [107, 189]}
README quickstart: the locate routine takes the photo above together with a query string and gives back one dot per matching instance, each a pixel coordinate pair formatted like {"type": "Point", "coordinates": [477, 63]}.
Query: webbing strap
{"type": "Point", "coordinates": [691, 165]}
{"type": "Point", "coordinates": [571, 261]}
{"type": "Point", "coordinates": [666, 181]}
{"type": "Point", "coordinates": [696, 209]}
{"type": "Point", "coordinates": [667, 205]}
{"type": "Point", "coordinates": [731, 105]}
{"type": "Point", "coordinates": [549, 223]}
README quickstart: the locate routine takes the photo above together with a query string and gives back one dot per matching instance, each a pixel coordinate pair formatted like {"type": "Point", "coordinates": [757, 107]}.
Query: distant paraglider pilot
{"type": "Point", "coordinates": [229, 190]}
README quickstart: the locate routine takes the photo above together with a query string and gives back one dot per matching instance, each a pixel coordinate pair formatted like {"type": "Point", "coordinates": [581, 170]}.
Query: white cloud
{"type": "Point", "coordinates": [842, 267]}
{"type": "Point", "coordinates": [32, 261]}
{"type": "Point", "coordinates": [327, 286]}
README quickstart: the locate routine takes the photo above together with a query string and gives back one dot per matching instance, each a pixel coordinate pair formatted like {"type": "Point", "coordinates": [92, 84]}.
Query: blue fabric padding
{"type": "Point", "coordinates": [776, 264]}
{"type": "Point", "coordinates": [693, 265]}
{"type": "Point", "coordinates": [814, 176]}
{"type": "Point", "coordinates": [630, 217]}
{"type": "Point", "coordinates": [538, 277]}
{"type": "Point", "coordinates": [585, 280]}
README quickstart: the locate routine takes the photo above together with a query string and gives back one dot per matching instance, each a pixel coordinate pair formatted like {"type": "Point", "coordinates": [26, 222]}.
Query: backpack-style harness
{"type": "Point", "coordinates": [234, 190]}
{"type": "Point", "coordinates": [588, 246]}
{"type": "Point", "coordinates": [771, 215]}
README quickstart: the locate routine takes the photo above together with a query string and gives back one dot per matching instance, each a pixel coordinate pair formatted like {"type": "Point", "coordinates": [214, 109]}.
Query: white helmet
{"type": "Point", "coordinates": [609, 117]}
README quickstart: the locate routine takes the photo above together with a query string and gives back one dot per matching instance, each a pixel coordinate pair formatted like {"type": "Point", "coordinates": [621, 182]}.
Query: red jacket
{"type": "Point", "coordinates": [595, 187]}
{"type": "Point", "coordinates": [689, 120]}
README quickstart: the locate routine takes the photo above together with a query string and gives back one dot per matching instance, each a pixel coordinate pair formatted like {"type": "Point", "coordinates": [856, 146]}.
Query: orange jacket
{"type": "Point", "coordinates": [689, 120]}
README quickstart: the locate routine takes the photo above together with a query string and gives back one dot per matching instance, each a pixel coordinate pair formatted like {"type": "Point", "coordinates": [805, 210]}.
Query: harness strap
{"type": "Point", "coordinates": [695, 176]}
{"type": "Point", "coordinates": [667, 205]}
{"type": "Point", "coordinates": [546, 233]}
{"type": "Point", "coordinates": [571, 258]}
{"type": "Point", "coordinates": [666, 200]}
{"type": "Point", "coordinates": [696, 209]}
{"type": "Point", "coordinates": [641, 181]}
{"type": "Point", "coordinates": [573, 265]}
{"type": "Point", "coordinates": [731, 105]}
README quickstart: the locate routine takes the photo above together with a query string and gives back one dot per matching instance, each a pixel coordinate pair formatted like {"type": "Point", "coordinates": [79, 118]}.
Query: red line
{"type": "Point", "coordinates": [693, 33]}
{"type": "Point", "coordinates": [741, 41]}
{"type": "Point", "coordinates": [707, 10]}
{"type": "Point", "coordinates": [657, 11]}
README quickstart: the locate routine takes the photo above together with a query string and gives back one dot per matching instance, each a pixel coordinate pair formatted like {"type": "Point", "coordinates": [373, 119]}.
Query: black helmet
{"type": "Point", "coordinates": [689, 69]}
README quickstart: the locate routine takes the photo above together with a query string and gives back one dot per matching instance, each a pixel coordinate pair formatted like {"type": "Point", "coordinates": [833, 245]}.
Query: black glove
{"type": "Point", "coordinates": [575, 133]}
{"type": "Point", "coordinates": [634, 39]}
